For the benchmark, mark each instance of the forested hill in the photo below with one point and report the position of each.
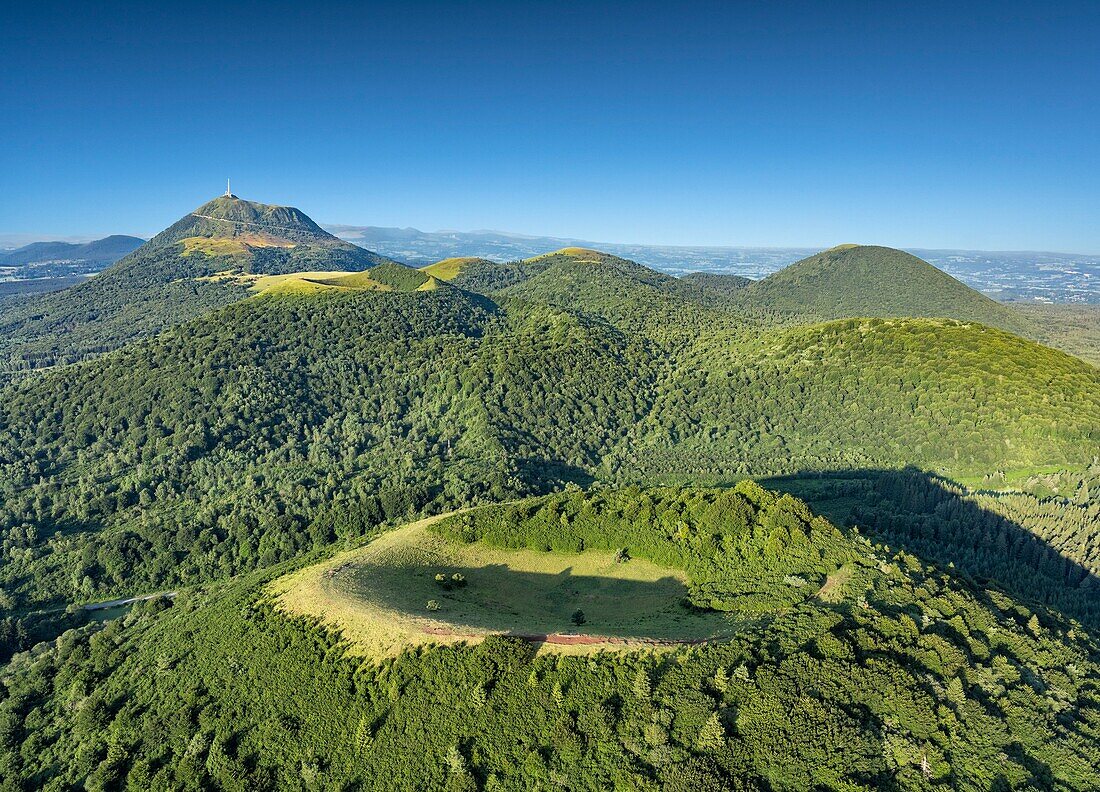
(230, 235)
(851, 667)
(246, 424)
(928, 636)
(182, 272)
(951, 396)
(568, 268)
(867, 280)
(849, 281)
(623, 292)
(620, 291)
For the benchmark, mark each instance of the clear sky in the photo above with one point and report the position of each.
(772, 123)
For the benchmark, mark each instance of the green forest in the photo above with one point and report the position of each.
(884, 482)
(899, 677)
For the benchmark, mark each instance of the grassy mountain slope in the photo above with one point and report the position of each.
(450, 268)
(867, 280)
(180, 273)
(877, 672)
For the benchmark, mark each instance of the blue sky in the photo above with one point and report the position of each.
(908, 124)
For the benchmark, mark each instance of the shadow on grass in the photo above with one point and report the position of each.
(498, 598)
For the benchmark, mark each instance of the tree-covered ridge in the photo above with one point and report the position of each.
(213, 447)
(741, 547)
(861, 393)
(892, 675)
(625, 294)
(177, 275)
(560, 278)
(868, 280)
(400, 277)
(605, 286)
(243, 427)
(712, 288)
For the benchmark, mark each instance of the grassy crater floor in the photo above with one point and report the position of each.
(378, 595)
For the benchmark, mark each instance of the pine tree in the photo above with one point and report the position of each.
(1033, 625)
(364, 735)
(459, 777)
(721, 679)
(478, 696)
(712, 736)
(558, 695)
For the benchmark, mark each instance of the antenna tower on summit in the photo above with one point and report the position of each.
(228, 192)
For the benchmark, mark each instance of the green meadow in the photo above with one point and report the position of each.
(401, 590)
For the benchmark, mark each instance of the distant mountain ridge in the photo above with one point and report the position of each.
(1005, 275)
(102, 251)
(193, 266)
(229, 234)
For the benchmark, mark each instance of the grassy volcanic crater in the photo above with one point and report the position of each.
(413, 586)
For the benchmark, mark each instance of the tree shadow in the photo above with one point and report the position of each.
(937, 520)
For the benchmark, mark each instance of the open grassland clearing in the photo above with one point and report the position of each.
(238, 245)
(300, 282)
(450, 268)
(386, 597)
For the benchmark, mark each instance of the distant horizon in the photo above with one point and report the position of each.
(700, 124)
(15, 239)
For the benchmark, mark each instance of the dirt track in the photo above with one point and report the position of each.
(571, 639)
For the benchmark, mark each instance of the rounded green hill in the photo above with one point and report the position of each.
(869, 280)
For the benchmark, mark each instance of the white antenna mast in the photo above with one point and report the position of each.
(228, 194)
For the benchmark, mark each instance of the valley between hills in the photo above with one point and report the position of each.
(560, 522)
